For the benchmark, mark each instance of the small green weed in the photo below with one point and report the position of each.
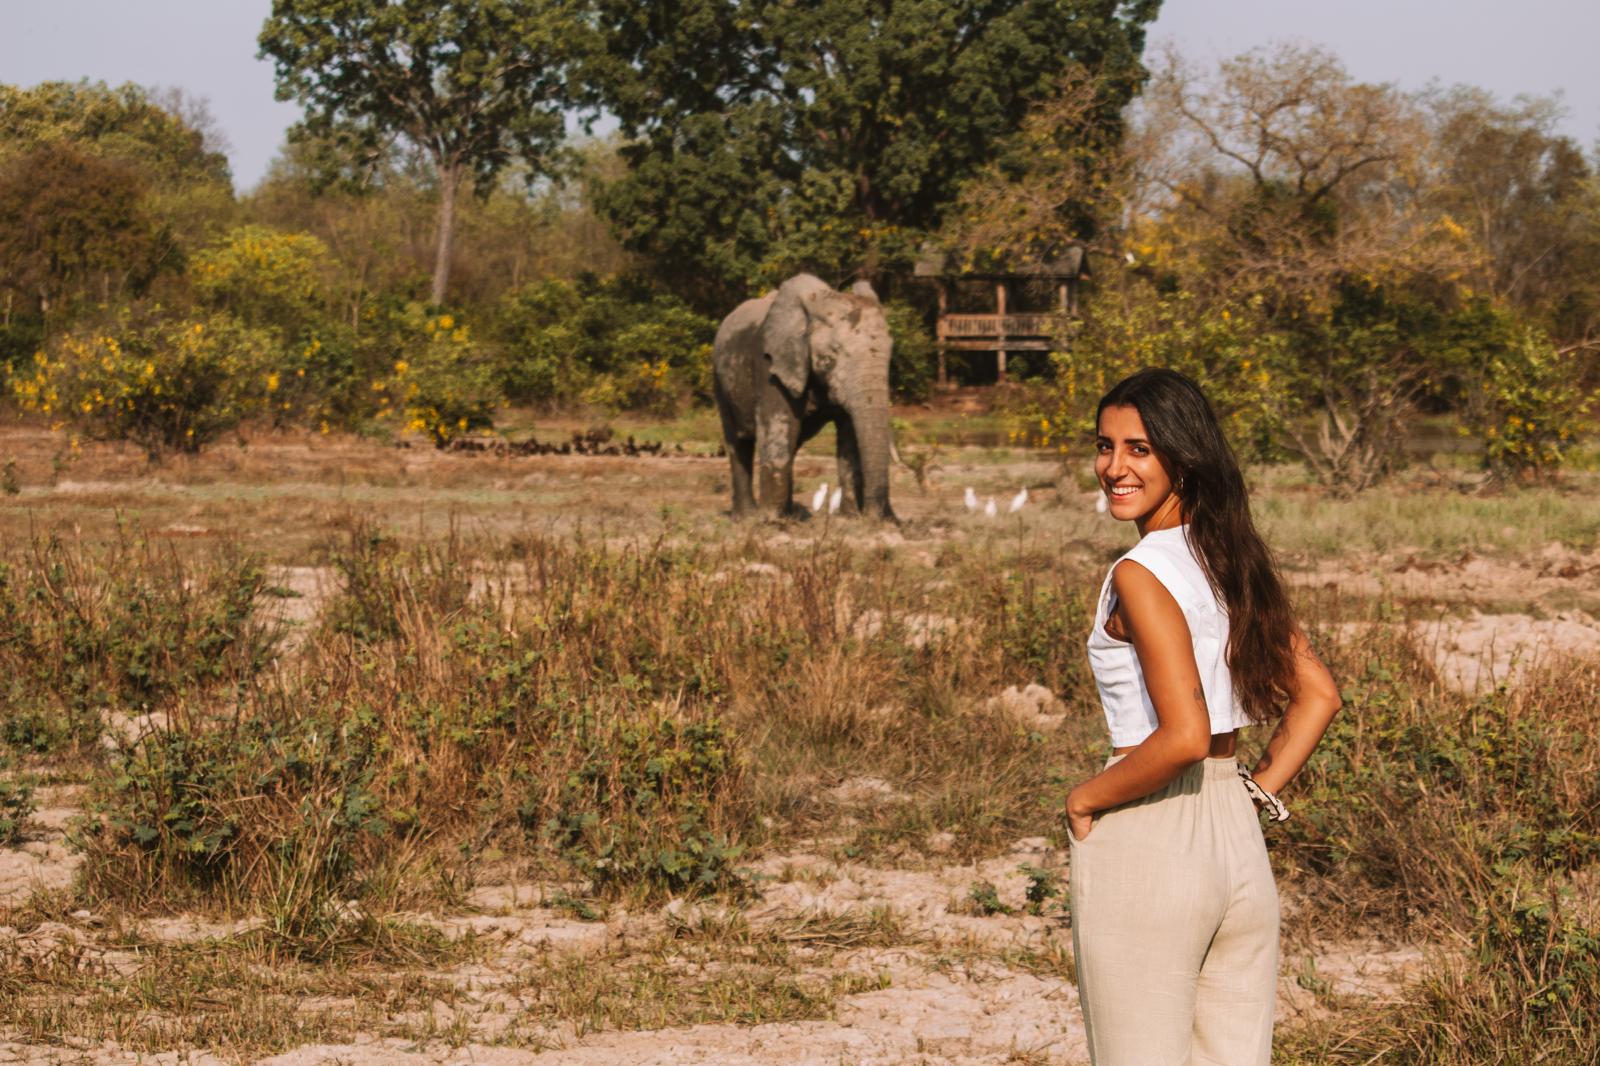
(16, 804)
(983, 899)
(1043, 886)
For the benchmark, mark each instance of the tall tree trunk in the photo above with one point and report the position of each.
(449, 182)
(868, 270)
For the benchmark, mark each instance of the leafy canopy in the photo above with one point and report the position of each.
(770, 134)
(475, 84)
(121, 124)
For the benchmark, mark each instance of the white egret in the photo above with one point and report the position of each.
(989, 509)
(971, 499)
(1019, 501)
(836, 499)
(820, 498)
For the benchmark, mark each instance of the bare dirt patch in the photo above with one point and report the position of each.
(41, 861)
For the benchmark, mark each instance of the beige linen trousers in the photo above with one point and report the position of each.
(1175, 926)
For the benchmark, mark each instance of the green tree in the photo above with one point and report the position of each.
(472, 84)
(766, 134)
(163, 140)
(72, 224)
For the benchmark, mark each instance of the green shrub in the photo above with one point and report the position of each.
(612, 342)
(983, 899)
(266, 278)
(1230, 348)
(640, 804)
(1526, 403)
(131, 627)
(1527, 991)
(16, 804)
(272, 807)
(1461, 785)
(915, 363)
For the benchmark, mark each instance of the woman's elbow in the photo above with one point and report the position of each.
(1328, 699)
(1190, 746)
(1331, 706)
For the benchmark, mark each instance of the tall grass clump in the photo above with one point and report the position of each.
(127, 628)
(1418, 794)
(1472, 822)
(422, 723)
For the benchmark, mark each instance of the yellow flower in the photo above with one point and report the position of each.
(272, 381)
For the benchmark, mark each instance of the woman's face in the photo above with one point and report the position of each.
(1135, 481)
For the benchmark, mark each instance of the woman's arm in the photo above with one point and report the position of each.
(1311, 707)
(1154, 623)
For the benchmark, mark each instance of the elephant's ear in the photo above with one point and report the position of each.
(786, 338)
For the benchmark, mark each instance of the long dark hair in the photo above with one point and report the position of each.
(1185, 435)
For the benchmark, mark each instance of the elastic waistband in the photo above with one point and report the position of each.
(1214, 769)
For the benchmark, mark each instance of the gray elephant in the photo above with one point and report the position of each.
(788, 364)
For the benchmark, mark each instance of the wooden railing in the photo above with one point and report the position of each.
(958, 326)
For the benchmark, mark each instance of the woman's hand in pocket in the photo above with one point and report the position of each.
(1080, 817)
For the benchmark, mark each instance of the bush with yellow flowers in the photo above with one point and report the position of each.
(649, 386)
(265, 277)
(167, 385)
(440, 383)
(1527, 408)
(281, 282)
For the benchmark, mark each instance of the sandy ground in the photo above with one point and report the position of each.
(951, 996)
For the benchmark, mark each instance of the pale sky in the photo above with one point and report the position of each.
(208, 48)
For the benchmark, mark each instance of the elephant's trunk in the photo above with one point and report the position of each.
(869, 417)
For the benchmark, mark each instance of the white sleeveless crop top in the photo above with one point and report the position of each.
(1130, 714)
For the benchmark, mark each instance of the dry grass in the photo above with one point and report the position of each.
(577, 671)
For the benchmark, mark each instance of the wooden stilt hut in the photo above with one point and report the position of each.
(1005, 329)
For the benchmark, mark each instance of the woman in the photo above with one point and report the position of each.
(1175, 915)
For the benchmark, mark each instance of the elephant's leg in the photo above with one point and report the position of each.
(777, 439)
(741, 452)
(848, 458)
(741, 457)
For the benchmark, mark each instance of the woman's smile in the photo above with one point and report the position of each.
(1132, 476)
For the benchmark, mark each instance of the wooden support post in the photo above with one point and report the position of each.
(1061, 297)
(939, 335)
(1000, 341)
